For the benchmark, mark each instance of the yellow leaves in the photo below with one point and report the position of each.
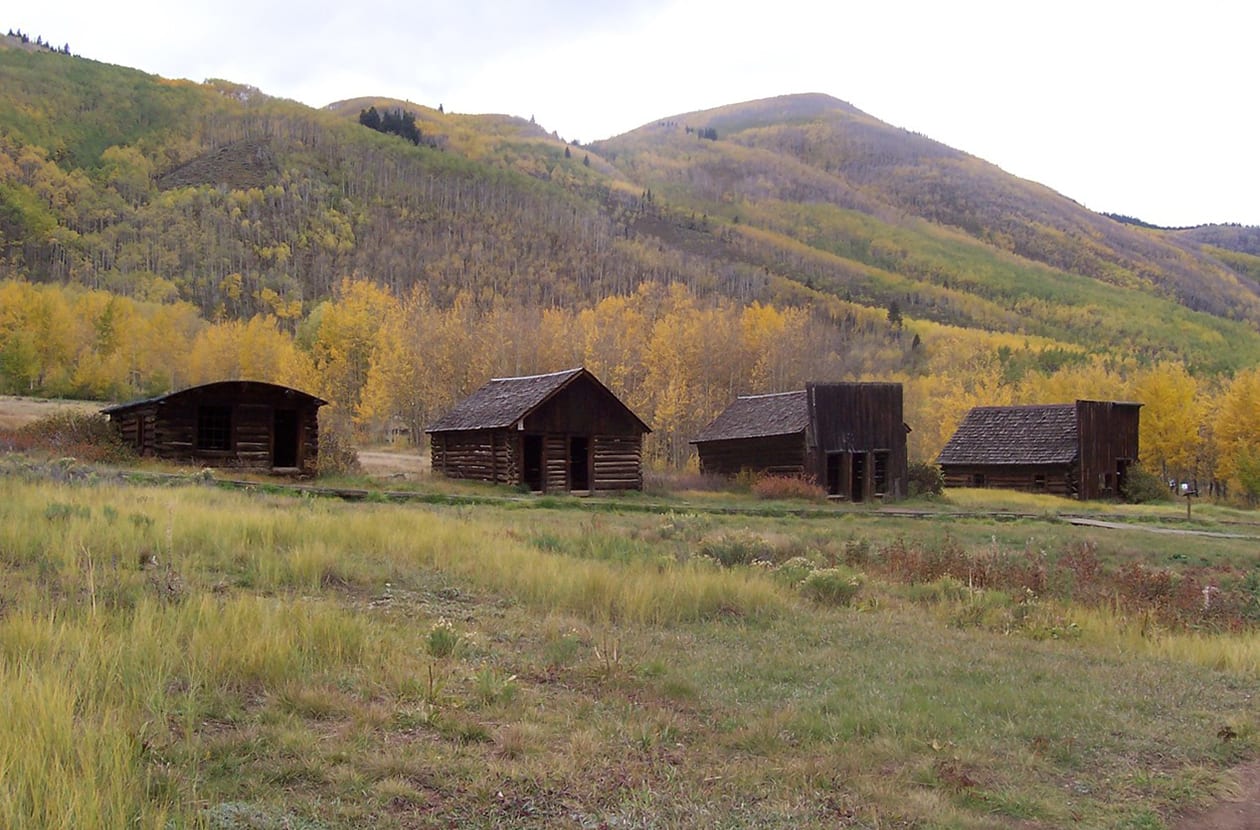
(252, 350)
(1173, 417)
(231, 287)
(341, 351)
(1237, 431)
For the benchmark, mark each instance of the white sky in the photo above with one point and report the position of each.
(1141, 107)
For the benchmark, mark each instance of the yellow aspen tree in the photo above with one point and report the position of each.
(1171, 420)
(1237, 433)
(393, 386)
(344, 340)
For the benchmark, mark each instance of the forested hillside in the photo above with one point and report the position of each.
(160, 232)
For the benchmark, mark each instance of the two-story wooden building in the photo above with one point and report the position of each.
(848, 437)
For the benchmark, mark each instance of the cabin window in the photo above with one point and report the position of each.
(1039, 483)
(214, 428)
(977, 479)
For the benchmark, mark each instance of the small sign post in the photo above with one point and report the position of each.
(1189, 489)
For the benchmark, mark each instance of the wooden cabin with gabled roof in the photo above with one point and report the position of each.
(558, 432)
(1079, 450)
(848, 437)
(232, 423)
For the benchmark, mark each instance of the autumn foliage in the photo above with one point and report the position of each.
(675, 358)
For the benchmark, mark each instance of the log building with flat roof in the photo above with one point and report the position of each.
(848, 437)
(1080, 450)
(553, 433)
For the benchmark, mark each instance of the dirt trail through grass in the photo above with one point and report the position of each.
(1239, 813)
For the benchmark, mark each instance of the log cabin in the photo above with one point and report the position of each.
(1080, 450)
(233, 423)
(552, 433)
(848, 437)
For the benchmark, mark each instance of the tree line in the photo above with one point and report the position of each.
(675, 357)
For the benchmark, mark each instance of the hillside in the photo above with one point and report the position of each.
(242, 204)
(890, 212)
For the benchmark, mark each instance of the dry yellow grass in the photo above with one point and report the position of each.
(18, 411)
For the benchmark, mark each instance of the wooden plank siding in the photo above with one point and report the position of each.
(1108, 436)
(849, 438)
(864, 422)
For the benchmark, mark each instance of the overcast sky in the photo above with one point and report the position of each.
(1143, 108)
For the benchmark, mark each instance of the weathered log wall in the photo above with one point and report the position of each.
(168, 427)
(480, 455)
(617, 462)
(774, 455)
(1059, 480)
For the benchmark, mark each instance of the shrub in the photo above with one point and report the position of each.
(794, 571)
(832, 586)
(925, 479)
(741, 548)
(86, 435)
(1141, 486)
(443, 640)
(337, 455)
(788, 487)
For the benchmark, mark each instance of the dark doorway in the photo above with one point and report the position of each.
(857, 480)
(532, 462)
(579, 463)
(284, 438)
(1122, 476)
(835, 462)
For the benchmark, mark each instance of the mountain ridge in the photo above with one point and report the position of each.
(798, 199)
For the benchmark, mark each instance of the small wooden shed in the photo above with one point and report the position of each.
(849, 437)
(1080, 450)
(559, 432)
(232, 423)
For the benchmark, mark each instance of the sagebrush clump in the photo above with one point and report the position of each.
(88, 436)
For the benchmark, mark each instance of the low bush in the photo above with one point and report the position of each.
(1141, 486)
(88, 436)
(337, 455)
(925, 479)
(740, 548)
(788, 487)
(832, 586)
(794, 571)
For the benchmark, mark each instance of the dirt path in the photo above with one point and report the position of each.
(1241, 812)
(407, 466)
(1082, 522)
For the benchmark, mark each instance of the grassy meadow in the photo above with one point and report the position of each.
(181, 655)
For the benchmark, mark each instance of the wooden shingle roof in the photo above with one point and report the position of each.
(759, 416)
(1042, 434)
(502, 402)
